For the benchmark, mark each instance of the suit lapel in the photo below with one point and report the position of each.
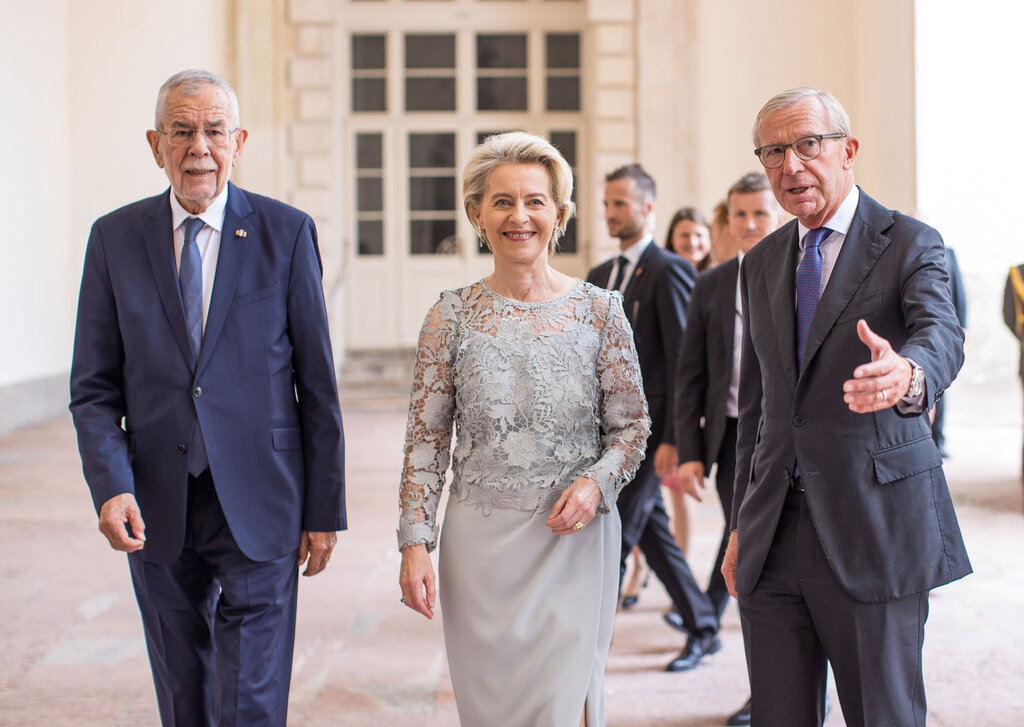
(158, 238)
(779, 272)
(861, 250)
(230, 260)
(635, 283)
(725, 301)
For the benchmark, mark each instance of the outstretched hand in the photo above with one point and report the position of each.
(882, 382)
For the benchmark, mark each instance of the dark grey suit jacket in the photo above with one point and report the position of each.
(874, 483)
(705, 365)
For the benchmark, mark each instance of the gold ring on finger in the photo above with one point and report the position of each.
(579, 525)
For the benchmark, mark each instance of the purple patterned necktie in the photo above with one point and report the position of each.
(808, 287)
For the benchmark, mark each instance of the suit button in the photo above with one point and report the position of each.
(182, 449)
(798, 421)
(197, 392)
(787, 475)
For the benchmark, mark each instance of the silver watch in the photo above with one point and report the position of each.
(916, 381)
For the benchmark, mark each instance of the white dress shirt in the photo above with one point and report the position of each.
(633, 254)
(208, 240)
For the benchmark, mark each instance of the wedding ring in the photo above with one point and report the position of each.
(883, 394)
(579, 525)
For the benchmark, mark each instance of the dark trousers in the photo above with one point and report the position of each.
(645, 523)
(798, 618)
(724, 481)
(220, 628)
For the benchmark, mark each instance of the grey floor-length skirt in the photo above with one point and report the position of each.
(527, 615)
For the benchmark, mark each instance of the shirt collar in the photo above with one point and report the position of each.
(839, 222)
(212, 216)
(636, 250)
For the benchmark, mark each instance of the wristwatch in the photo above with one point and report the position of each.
(916, 381)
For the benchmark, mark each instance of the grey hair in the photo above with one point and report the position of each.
(518, 147)
(838, 119)
(190, 82)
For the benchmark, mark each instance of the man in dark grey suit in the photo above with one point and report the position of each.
(842, 520)
(656, 286)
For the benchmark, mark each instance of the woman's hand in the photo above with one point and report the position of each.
(417, 580)
(578, 504)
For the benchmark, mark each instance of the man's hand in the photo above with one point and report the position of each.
(666, 459)
(729, 562)
(121, 522)
(883, 382)
(691, 478)
(317, 547)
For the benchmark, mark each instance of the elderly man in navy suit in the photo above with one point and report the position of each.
(842, 521)
(656, 287)
(204, 395)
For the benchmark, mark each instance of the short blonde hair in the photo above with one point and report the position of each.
(518, 147)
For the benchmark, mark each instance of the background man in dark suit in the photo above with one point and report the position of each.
(203, 392)
(842, 520)
(708, 374)
(656, 286)
(1013, 314)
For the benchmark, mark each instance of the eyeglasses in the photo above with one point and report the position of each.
(215, 136)
(806, 148)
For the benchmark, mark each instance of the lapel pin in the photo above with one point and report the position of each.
(240, 233)
(638, 272)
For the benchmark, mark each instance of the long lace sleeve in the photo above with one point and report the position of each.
(428, 435)
(624, 418)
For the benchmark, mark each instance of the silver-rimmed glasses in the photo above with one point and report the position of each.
(183, 136)
(806, 148)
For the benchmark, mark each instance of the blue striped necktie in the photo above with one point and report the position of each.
(190, 280)
(808, 287)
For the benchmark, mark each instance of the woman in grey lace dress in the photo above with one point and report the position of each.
(538, 374)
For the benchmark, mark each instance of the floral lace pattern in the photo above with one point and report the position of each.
(540, 394)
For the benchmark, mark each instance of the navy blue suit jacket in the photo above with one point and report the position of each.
(264, 387)
(874, 483)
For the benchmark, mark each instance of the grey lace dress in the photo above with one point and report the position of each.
(539, 394)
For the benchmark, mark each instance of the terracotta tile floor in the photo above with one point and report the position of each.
(71, 648)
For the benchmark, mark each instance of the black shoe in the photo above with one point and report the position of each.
(697, 647)
(673, 619)
(741, 715)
